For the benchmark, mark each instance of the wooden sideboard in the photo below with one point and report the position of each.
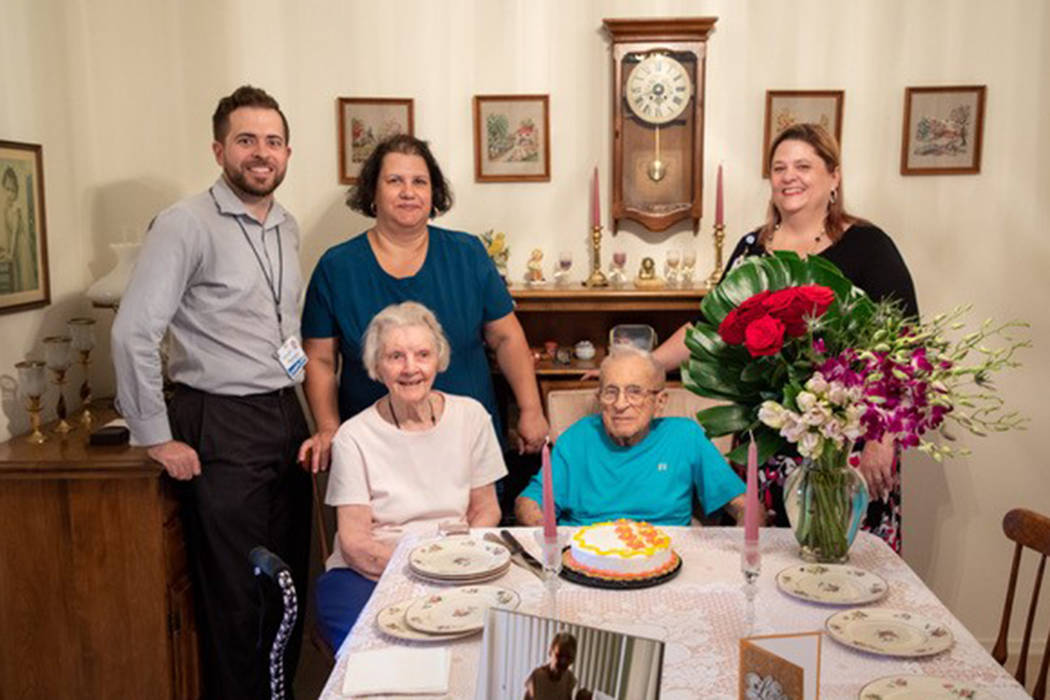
(95, 593)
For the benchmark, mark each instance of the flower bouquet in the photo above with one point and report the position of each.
(809, 364)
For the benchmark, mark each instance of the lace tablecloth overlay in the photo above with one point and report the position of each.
(701, 616)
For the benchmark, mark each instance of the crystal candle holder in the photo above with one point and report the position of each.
(32, 382)
(58, 357)
(82, 333)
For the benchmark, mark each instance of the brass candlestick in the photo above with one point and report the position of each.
(82, 330)
(716, 274)
(31, 382)
(597, 278)
(58, 358)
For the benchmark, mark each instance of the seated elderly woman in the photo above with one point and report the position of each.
(628, 463)
(414, 458)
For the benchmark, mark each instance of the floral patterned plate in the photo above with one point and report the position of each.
(832, 584)
(458, 557)
(391, 621)
(462, 580)
(889, 632)
(459, 609)
(921, 688)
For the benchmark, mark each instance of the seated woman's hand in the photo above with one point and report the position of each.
(876, 466)
(316, 451)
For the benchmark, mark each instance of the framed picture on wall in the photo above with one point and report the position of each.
(943, 128)
(364, 122)
(512, 138)
(24, 279)
(787, 107)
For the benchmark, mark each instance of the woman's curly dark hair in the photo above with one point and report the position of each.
(362, 197)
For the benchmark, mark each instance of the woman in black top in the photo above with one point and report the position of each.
(807, 216)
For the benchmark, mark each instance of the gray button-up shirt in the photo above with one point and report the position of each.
(197, 276)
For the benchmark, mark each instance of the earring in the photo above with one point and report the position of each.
(373, 208)
(834, 196)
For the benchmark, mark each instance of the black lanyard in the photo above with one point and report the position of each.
(275, 292)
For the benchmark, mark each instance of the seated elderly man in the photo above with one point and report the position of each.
(627, 463)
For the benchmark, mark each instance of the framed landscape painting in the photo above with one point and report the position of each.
(363, 123)
(24, 282)
(787, 107)
(512, 138)
(943, 129)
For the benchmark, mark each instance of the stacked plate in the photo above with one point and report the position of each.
(458, 612)
(458, 559)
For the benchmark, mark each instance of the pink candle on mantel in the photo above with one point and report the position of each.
(596, 210)
(550, 527)
(751, 506)
(719, 204)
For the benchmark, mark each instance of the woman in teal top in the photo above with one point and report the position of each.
(402, 258)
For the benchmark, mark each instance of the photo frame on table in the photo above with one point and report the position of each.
(943, 130)
(512, 138)
(24, 279)
(363, 123)
(787, 107)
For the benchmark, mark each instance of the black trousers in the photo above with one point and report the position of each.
(250, 492)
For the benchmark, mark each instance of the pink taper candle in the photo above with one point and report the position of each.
(719, 204)
(751, 506)
(550, 528)
(596, 209)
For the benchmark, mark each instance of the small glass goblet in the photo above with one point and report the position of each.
(561, 273)
(58, 356)
(31, 383)
(82, 331)
(673, 257)
(688, 267)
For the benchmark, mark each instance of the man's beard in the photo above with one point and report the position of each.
(240, 180)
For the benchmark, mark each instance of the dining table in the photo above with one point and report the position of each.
(700, 614)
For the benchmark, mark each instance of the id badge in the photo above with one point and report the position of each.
(292, 358)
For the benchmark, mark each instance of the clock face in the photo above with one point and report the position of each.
(658, 89)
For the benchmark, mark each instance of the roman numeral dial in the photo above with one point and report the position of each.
(658, 89)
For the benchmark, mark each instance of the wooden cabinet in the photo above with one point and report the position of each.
(95, 593)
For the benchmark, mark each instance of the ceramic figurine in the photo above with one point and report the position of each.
(585, 350)
(534, 272)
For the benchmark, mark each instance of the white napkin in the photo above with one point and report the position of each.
(397, 670)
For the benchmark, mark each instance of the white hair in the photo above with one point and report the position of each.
(621, 351)
(408, 313)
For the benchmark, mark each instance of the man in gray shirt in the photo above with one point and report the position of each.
(220, 272)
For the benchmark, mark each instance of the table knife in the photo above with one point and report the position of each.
(516, 548)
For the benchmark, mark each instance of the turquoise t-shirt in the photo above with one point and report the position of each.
(457, 281)
(597, 480)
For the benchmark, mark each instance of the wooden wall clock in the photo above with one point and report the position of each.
(658, 119)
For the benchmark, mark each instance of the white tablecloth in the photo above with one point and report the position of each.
(702, 614)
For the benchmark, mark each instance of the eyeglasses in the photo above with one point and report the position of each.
(635, 395)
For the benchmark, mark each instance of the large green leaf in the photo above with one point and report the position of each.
(769, 443)
(724, 420)
(707, 380)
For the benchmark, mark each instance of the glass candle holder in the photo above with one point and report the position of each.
(32, 381)
(58, 356)
(82, 332)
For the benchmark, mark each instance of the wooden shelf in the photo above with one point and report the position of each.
(628, 299)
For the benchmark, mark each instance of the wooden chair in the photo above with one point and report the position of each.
(324, 546)
(1032, 530)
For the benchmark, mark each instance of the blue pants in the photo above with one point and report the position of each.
(341, 595)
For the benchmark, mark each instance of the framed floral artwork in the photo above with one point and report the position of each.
(24, 279)
(787, 107)
(943, 129)
(363, 123)
(512, 138)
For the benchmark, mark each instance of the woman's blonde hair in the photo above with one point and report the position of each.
(836, 220)
(408, 313)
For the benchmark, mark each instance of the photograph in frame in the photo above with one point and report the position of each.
(943, 130)
(512, 138)
(24, 278)
(787, 107)
(363, 123)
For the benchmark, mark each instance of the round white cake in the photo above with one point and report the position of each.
(622, 549)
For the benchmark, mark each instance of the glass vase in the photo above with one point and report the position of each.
(826, 501)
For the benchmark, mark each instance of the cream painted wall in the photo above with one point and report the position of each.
(120, 93)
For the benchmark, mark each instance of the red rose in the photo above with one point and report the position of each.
(764, 336)
(736, 321)
(730, 329)
(815, 299)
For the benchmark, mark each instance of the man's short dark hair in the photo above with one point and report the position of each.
(244, 96)
(362, 198)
